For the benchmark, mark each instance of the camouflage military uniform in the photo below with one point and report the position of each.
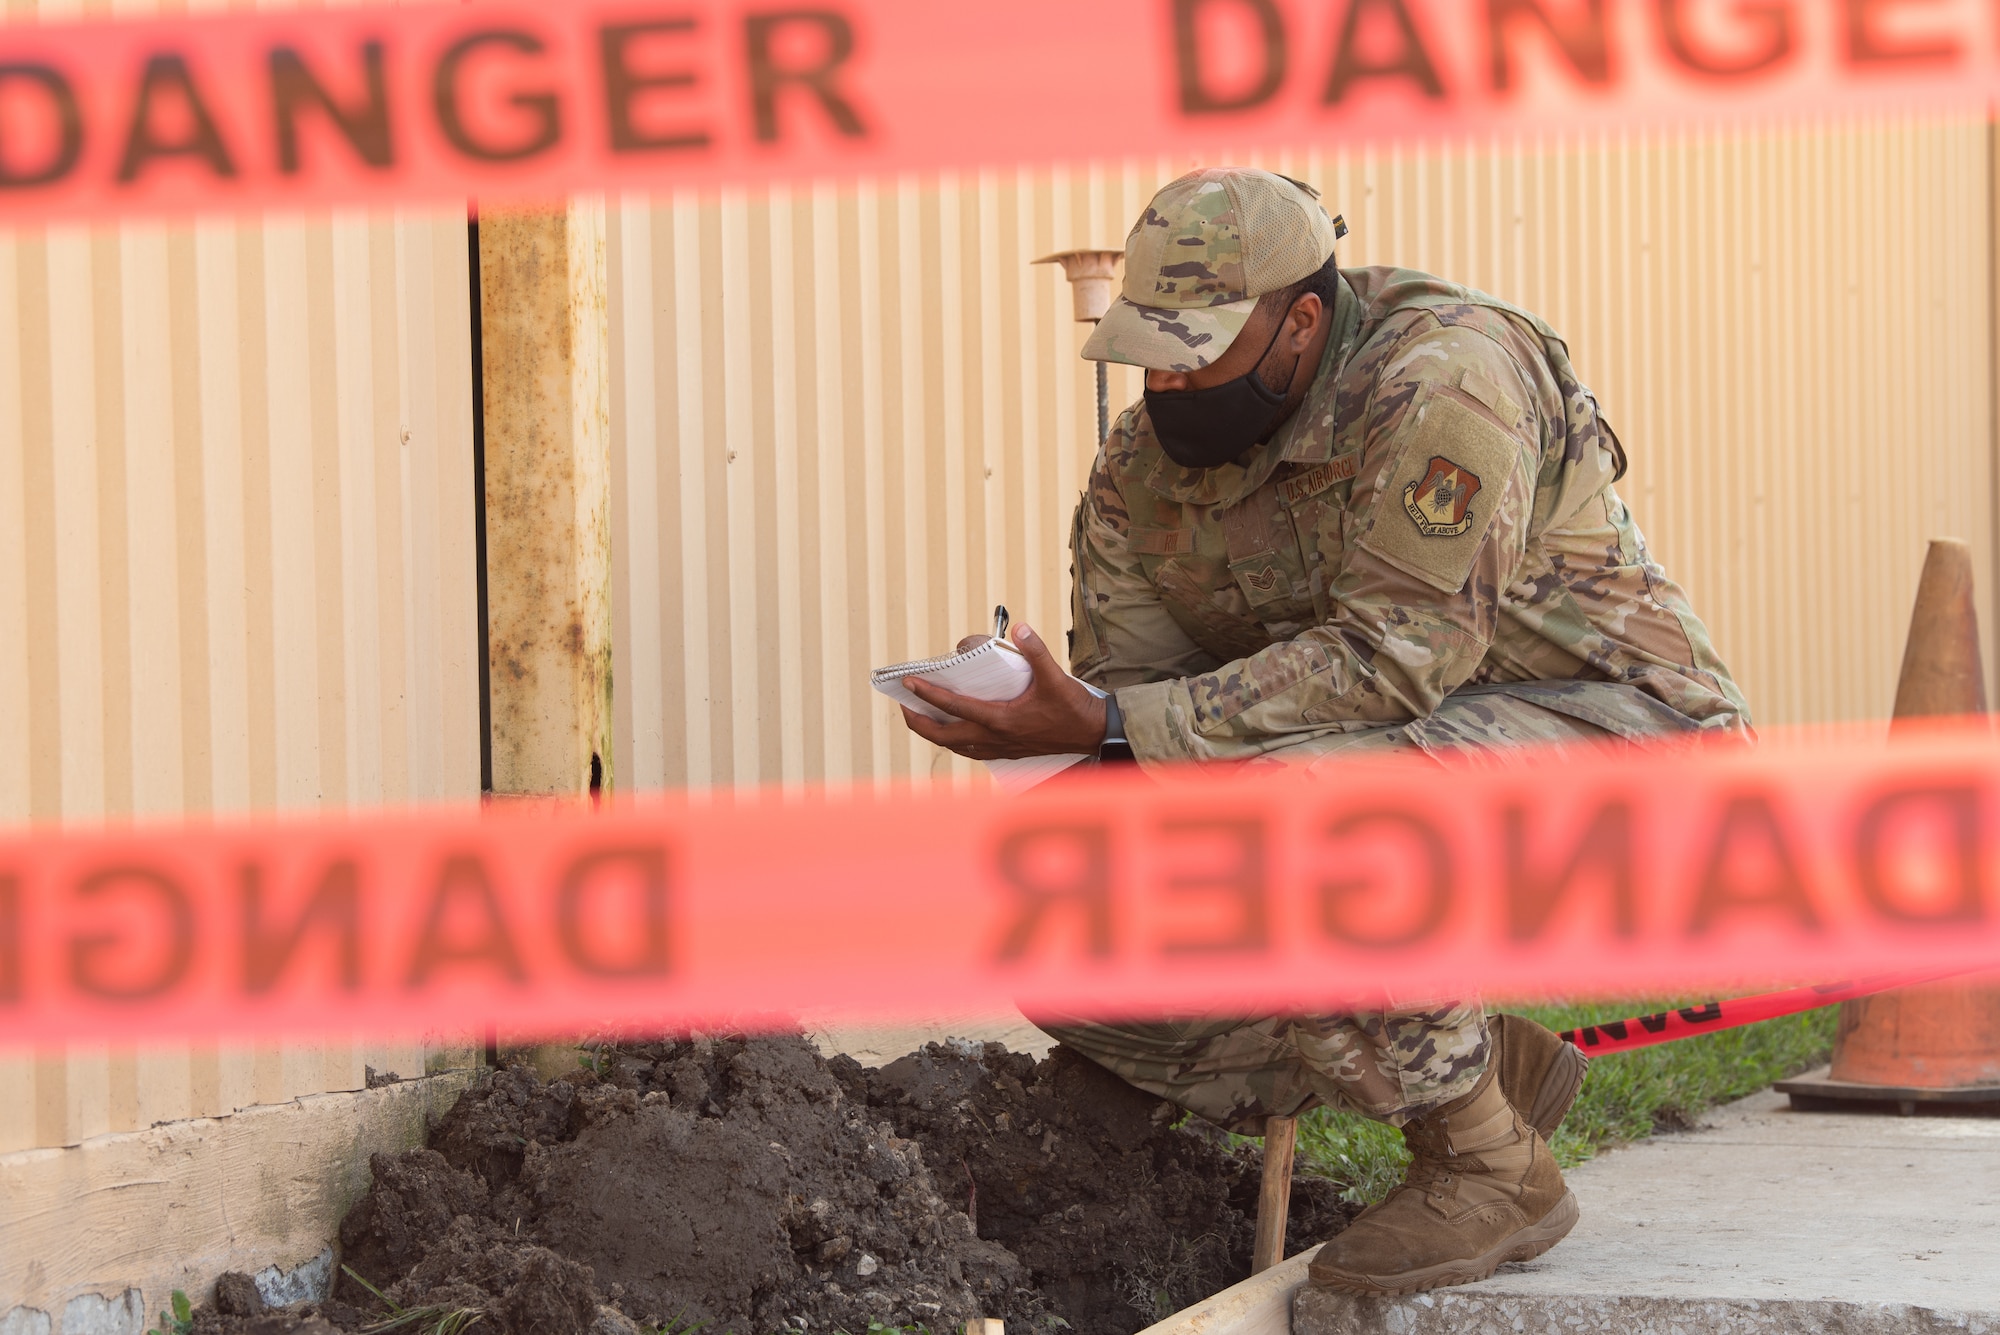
(1429, 554)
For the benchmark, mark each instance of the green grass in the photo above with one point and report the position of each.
(435, 1319)
(1626, 1096)
(178, 1321)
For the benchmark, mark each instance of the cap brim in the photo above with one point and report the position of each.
(1160, 338)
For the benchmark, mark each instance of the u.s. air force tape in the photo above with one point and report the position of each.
(1114, 894)
(376, 104)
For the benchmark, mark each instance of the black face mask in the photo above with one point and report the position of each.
(1207, 428)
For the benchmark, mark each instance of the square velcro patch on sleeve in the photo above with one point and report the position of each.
(1449, 476)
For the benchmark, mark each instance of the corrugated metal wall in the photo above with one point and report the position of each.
(235, 469)
(847, 422)
(237, 571)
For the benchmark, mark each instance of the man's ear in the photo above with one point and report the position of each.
(1305, 316)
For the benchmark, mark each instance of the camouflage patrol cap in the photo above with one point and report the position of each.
(1201, 254)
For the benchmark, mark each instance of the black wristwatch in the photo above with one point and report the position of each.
(1114, 749)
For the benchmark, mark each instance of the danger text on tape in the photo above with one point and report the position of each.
(1113, 895)
(373, 104)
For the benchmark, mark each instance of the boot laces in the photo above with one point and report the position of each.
(1432, 1163)
(1431, 1158)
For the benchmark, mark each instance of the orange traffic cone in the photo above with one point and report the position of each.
(1939, 1043)
(1942, 676)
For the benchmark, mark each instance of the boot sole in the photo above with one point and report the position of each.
(1524, 1245)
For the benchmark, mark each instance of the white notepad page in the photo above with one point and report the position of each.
(994, 670)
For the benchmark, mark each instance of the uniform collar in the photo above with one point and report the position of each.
(1305, 438)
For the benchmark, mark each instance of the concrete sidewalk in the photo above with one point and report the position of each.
(1763, 1220)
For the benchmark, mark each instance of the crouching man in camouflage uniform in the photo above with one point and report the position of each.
(1358, 511)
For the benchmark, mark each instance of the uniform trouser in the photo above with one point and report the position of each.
(1391, 1064)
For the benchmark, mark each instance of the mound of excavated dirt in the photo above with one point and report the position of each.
(1121, 1217)
(750, 1185)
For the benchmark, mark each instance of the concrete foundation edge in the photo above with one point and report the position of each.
(94, 1238)
(1279, 1302)
(1447, 1312)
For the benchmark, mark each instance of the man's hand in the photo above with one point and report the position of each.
(1056, 715)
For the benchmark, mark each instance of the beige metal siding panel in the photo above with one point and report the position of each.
(293, 671)
(871, 362)
(21, 598)
(780, 410)
(239, 455)
(17, 1070)
(79, 582)
(364, 582)
(828, 448)
(251, 363)
(638, 697)
(217, 400)
(693, 632)
(728, 695)
(15, 689)
(429, 513)
(190, 525)
(147, 628)
(1801, 417)
(37, 464)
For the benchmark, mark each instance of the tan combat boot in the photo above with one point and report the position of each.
(1482, 1189)
(1539, 1073)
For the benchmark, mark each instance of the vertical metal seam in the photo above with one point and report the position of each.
(1992, 359)
(479, 510)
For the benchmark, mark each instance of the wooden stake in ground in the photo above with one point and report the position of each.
(1274, 1195)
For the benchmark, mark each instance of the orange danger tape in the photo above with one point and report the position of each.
(1108, 895)
(374, 105)
(1645, 1031)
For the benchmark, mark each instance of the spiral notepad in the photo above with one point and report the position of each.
(993, 670)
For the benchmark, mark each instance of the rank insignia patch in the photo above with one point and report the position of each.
(1441, 503)
(1261, 581)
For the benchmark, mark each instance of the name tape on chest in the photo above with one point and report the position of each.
(1160, 541)
(1316, 480)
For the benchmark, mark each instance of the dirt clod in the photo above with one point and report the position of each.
(747, 1185)
(236, 1295)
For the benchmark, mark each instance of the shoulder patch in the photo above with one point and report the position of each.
(1161, 541)
(1442, 493)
